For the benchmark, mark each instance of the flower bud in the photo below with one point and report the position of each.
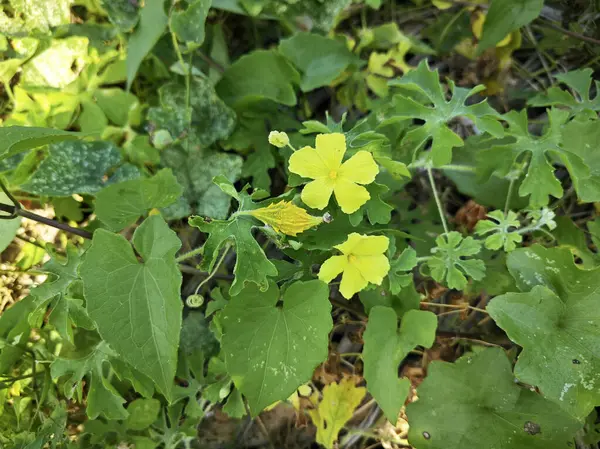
(279, 139)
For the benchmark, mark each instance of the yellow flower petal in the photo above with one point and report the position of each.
(307, 163)
(286, 217)
(364, 245)
(372, 268)
(352, 281)
(332, 267)
(316, 194)
(360, 168)
(331, 148)
(350, 196)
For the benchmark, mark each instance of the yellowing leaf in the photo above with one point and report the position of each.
(286, 217)
(335, 410)
(477, 27)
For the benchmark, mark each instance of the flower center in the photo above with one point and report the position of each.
(351, 258)
(333, 174)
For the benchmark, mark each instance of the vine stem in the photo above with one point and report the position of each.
(437, 199)
(454, 306)
(47, 221)
(215, 269)
(508, 196)
(189, 254)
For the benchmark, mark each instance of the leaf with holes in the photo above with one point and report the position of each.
(475, 403)
(136, 305)
(556, 321)
(271, 350)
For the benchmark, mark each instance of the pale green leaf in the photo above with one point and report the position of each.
(152, 24)
(33, 16)
(8, 228)
(385, 348)
(137, 305)
(556, 322)
(501, 230)
(188, 24)
(506, 16)
(475, 403)
(320, 59)
(121, 204)
(271, 350)
(79, 167)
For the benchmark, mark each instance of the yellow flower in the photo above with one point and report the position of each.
(324, 165)
(362, 261)
(286, 217)
(279, 139)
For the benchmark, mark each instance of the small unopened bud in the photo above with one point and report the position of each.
(279, 139)
(327, 218)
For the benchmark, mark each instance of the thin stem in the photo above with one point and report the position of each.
(47, 221)
(454, 306)
(189, 254)
(508, 196)
(437, 199)
(423, 259)
(211, 62)
(215, 269)
(581, 37)
(451, 167)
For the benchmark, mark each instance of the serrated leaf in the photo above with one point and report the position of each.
(16, 139)
(152, 24)
(335, 409)
(211, 118)
(270, 350)
(540, 181)
(581, 136)
(188, 24)
(400, 275)
(578, 80)
(260, 75)
(385, 348)
(137, 305)
(79, 167)
(437, 112)
(102, 398)
(450, 262)
(320, 59)
(121, 204)
(475, 403)
(506, 16)
(556, 322)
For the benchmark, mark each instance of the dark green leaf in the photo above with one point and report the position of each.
(142, 413)
(15, 139)
(188, 24)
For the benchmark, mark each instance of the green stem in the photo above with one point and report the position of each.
(215, 269)
(189, 254)
(508, 196)
(423, 259)
(452, 167)
(437, 200)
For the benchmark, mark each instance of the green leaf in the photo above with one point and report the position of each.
(581, 136)
(211, 119)
(15, 331)
(569, 235)
(79, 167)
(38, 16)
(117, 104)
(437, 112)
(579, 81)
(16, 139)
(271, 350)
(320, 59)
(195, 172)
(152, 24)
(335, 410)
(449, 263)
(400, 275)
(120, 205)
(260, 75)
(540, 181)
(475, 403)
(385, 348)
(123, 13)
(136, 305)
(506, 16)
(8, 228)
(188, 24)
(142, 413)
(56, 66)
(556, 322)
(377, 210)
(102, 398)
(502, 230)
